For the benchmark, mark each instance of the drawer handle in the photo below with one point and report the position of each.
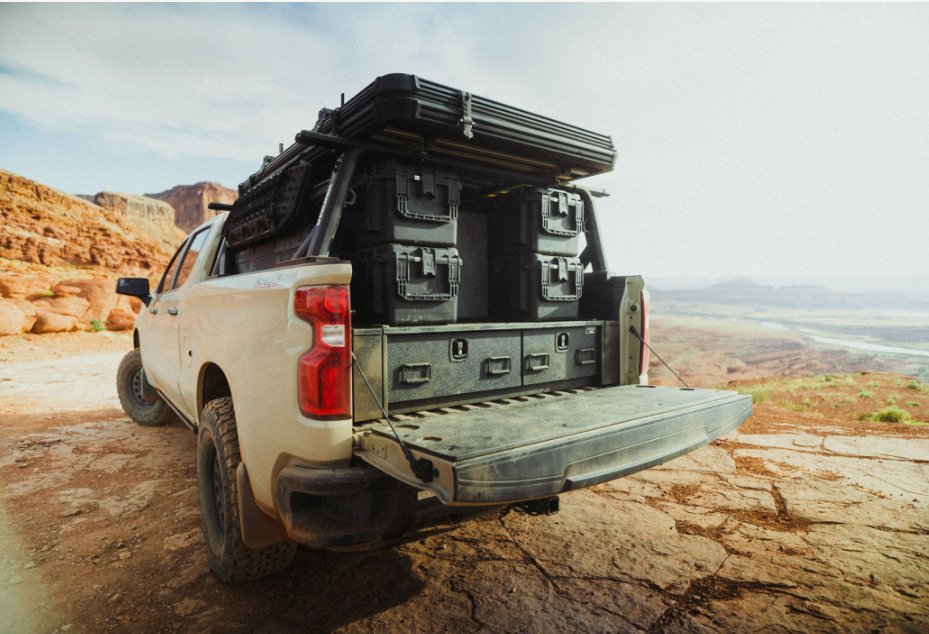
(537, 362)
(586, 356)
(172, 311)
(415, 373)
(504, 365)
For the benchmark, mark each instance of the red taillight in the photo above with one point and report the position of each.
(646, 303)
(325, 371)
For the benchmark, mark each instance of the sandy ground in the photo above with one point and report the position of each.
(793, 523)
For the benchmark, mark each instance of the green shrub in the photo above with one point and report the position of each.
(912, 404)
(791, 406)
(875, 384)
(758, 393)
(828, 377)
(46, 293)
(913, 384)
(890, 415)
(97, 325)
(849, 380)
(807, 402)
(891, 400)
(863, 394)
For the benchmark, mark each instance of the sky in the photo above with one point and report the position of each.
(756, 140)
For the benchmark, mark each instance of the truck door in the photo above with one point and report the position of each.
(162, 356)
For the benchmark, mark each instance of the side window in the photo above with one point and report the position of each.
(166, 278)
(190, 258)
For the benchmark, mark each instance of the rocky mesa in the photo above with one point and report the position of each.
(190, 202)
(43, 226)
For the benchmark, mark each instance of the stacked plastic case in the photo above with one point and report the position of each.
(536, 274)
(404, 227)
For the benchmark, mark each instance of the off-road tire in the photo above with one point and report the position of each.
(217, 460)
(129, 388)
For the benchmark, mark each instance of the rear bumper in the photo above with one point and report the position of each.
(538, 449)
(326, 508)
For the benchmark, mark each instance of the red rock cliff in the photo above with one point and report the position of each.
(190, 202)
(45, 226)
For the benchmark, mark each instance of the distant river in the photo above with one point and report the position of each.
(873, 347)
(857, 345)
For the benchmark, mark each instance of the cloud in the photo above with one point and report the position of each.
(802, 124)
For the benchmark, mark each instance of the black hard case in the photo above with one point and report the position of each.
(397, 284)
(409, 109)
(536, 287)
(536, 220)
(405, 204)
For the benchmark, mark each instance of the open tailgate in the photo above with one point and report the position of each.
(547, 444)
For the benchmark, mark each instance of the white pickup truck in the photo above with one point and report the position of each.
(318, 430)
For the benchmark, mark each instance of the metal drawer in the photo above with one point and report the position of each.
(557, 354)
(430, 365)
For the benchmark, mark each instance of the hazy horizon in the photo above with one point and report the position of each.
(755, 140)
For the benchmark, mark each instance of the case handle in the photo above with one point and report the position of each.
(505, 365)
(586, 356)
(537, 362)
(415, 373)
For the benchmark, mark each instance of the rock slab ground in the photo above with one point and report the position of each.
(801, 529)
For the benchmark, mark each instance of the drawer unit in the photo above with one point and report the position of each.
(431, 365)
(557, 354)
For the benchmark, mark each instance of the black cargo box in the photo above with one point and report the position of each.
(536, 287)
(402, 284)
(537, 220)
(406, 110)
(405, 204)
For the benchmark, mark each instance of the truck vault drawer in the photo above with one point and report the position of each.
(553, 444)
(558, 354)
(438, 364)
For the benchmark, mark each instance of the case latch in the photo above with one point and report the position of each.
(428, 258)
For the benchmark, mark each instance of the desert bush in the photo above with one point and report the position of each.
(791, 406)
(891, 400)
(912, 404)
(863, 394)
(875, 384)
(890, 415)
(849, 380)
(759, 393)
(97, 325)
(913, 384)
(46, 293)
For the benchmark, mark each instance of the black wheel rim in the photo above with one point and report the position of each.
(217, 502)
(136, 391)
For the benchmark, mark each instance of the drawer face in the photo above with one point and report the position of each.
(432, 365)
(557, 354)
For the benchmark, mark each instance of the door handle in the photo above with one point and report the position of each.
(172, 311)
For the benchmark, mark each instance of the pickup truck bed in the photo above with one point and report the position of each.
(547, 444)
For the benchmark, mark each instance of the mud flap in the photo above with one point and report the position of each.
(258, 530)
(551, 444)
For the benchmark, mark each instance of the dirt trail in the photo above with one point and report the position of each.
(794, 523)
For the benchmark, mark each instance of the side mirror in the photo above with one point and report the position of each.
(134, 287)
